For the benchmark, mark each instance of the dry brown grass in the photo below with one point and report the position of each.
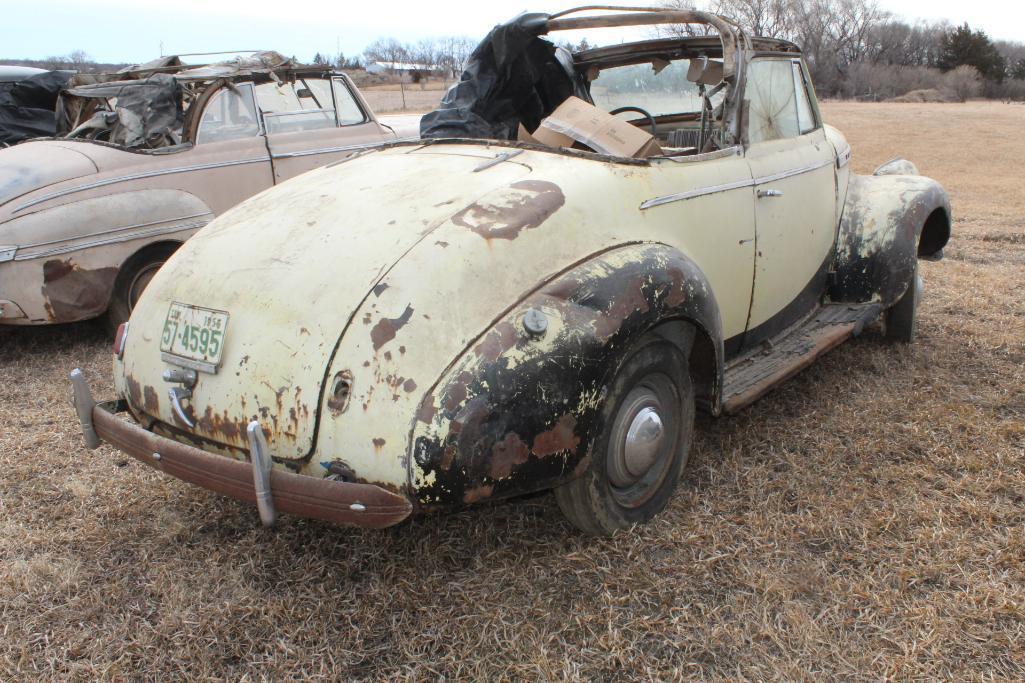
(865, 521)
(409, 97)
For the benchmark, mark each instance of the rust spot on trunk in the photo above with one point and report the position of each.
(150, 401)
(528, 206)
(559, 439)
(506, 454)
(134, 391)
(385, 329)
(409, 386)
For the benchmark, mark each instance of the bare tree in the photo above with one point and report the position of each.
(386, 50)
(964, 82)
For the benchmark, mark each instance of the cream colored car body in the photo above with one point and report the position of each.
(382, 311)
(80, 219)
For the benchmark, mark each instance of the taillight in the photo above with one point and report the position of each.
(119, 340)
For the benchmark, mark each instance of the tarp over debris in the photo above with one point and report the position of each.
(514, 76)
(27, 106)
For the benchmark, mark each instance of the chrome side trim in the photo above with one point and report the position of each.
(113, 240)
(330, 150)
(138, 176)
(122, 229)
(700, 192)
(792, 172)
(738, 185)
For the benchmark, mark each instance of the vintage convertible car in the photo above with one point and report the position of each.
(456, 320)
(147, 156)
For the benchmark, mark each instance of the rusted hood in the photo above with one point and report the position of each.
(292, 267)
(34, 165)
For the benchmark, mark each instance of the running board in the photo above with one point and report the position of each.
(753, 375)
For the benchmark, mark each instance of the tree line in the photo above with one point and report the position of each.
(856, 49)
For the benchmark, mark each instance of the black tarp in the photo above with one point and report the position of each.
(514, 76)
(27, 106)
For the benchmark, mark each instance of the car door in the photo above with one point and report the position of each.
(311, 122)
(229, 162)
(793, 166)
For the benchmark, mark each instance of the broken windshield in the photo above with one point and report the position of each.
(658, 87)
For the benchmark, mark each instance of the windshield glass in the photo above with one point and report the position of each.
(665, 91)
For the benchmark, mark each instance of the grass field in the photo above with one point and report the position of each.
(866, 521)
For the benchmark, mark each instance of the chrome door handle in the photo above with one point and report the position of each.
(769, 193)
(177, 395)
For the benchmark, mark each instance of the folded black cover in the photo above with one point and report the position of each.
(514, 76)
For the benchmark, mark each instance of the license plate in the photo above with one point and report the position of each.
(195, 333)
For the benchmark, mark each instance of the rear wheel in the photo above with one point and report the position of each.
(902, 318)
(135, 274)
(642, 448)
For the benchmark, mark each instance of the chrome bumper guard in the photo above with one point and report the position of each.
(272, 490)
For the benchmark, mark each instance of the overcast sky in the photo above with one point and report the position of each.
(136, 30)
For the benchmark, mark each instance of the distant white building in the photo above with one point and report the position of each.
(397, 68)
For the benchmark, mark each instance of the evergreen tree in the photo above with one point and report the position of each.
(963, 46)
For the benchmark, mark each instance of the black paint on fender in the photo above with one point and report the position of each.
(518, 413)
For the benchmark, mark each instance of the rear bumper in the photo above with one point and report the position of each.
(364, 505)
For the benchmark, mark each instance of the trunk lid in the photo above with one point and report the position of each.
(264, 264)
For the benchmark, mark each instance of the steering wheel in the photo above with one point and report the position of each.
(651, 119)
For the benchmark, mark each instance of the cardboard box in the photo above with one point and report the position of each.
(576, 121)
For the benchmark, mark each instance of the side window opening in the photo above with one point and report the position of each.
(805, 114)
(229, 115)
(303, 105)
(770, 101)
(349, 112)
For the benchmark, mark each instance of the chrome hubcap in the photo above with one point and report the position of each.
(642, 443)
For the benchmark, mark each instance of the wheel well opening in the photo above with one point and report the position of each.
(698, 348)
(935, 233)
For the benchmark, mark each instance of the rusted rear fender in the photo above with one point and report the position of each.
(889, 220)
(517, 412)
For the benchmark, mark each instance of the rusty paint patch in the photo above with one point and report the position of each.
(409, 386)
(456, 393)
(496, 342)
(506, 454)
(479, 493)
(427, 410)
(530, 205)
(386, 328)
(72, 293)
(150, 401)
(379, 288)
(134, 391)
(561, 438)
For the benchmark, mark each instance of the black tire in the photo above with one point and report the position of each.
(902, 317)
(622, 487)
(135, 274)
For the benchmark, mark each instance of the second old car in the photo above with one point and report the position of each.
(539, 295)
(147, 156)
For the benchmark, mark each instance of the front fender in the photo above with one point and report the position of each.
(889, 220)
(517, 411)
(62, 261)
